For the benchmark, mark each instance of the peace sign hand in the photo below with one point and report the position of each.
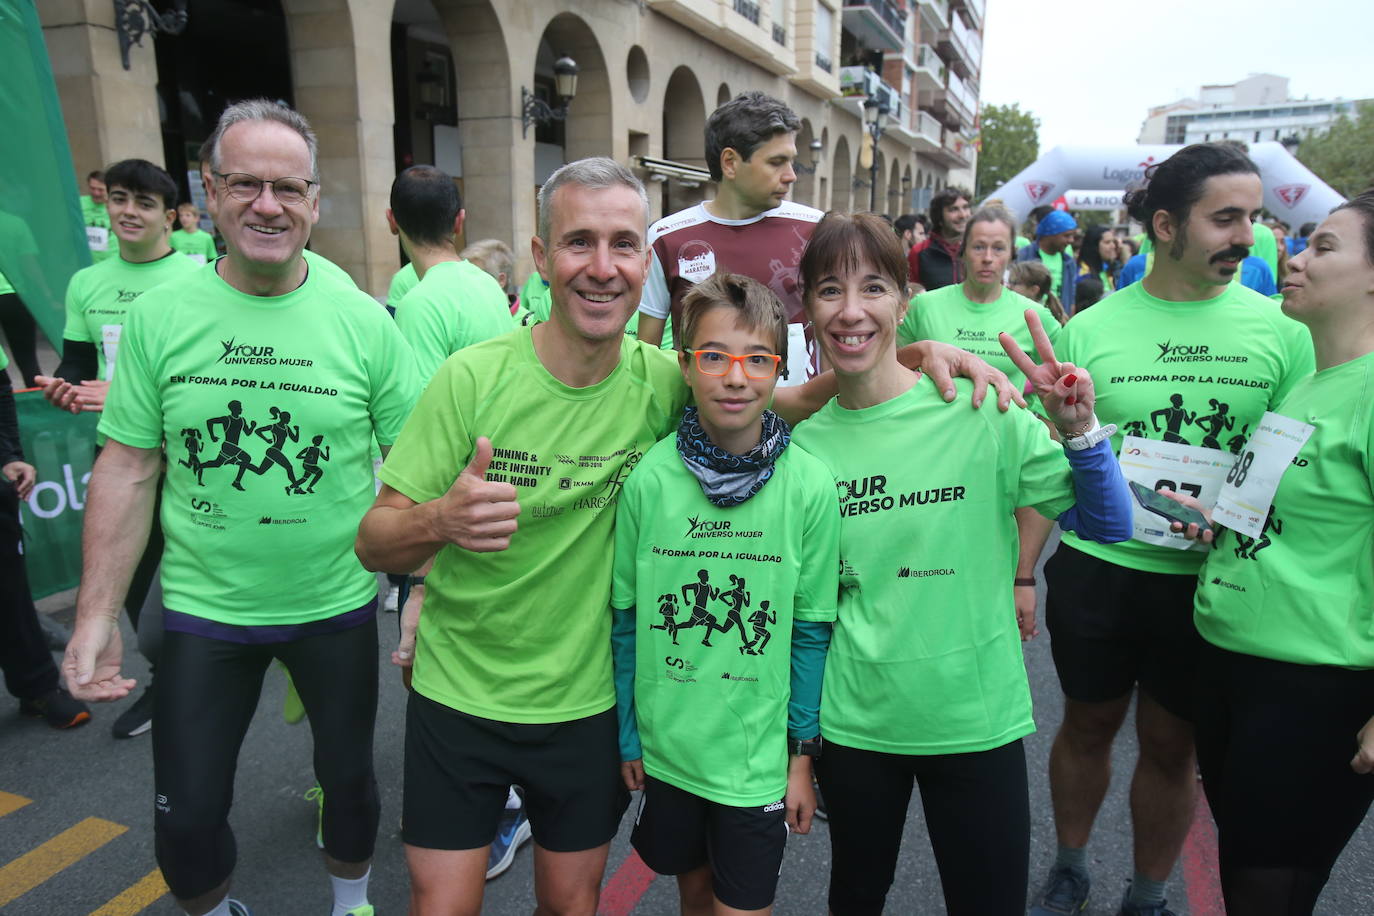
(1064, 389)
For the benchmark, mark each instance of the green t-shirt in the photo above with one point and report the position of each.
(319, 264)
(713, 654)
(456, 305)
(523, 635)
(1265, 247)
(535, 297)
(1195, 373)
(269, 407)
(402, 282)
(199, 246)
(99, 236)
(1055, 264)
(1303, 591)
(20, 248)
(947, 315)
(6, 287)
(99, 298)
(926, 656)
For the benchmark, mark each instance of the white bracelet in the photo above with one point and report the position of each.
(1095, 434)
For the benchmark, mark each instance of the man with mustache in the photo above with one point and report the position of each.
(1121, 615)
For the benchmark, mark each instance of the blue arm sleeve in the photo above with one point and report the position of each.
(1132, 272)
(623, 666)
(810, 642)
(1102, 510)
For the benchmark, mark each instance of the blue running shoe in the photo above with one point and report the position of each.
(1066, 891)
(513, 832)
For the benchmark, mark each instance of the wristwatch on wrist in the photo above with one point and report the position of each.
(811, 747)
(1094, 434)
(416, 580)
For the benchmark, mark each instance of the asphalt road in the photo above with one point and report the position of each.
(78, 866)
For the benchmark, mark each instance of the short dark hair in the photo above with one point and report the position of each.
(842, 241)
(98, 175)
(1307, 229)
(425, 202)
(1087, 292)
(904, 222)
(755, 306)
(139, 176)
(745, 123)
(945, 197)
(1363, 205)
(1175, 184)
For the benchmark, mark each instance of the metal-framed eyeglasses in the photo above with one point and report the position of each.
(247, 188)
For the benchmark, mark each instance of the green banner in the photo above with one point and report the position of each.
(61, 446)
(42, 233)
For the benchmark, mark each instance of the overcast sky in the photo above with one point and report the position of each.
(1089, 70)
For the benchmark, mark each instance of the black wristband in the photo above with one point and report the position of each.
(1024, 580)
(811, 747)
(416, 580)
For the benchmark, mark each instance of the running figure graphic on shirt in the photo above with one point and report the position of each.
(757, 620)
(1249, 546)
(1236, 444)
(234, 427)
(1174, 419)
(310, 458)
(736, 600)
(1136, 428)
(697, 594)
(191, 439)
(667, 606)
(1214, 423)
(276, 435)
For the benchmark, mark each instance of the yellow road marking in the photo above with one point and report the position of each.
(137, 898)
(10, 803)
(41, 863)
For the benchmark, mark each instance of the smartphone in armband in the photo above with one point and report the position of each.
(1165, 507)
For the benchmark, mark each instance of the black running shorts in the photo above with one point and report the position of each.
(677, 832)
(458, 768)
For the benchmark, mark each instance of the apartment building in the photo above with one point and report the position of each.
(479, 87)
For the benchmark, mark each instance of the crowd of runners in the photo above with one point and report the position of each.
(740, 511)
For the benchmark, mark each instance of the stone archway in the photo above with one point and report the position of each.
(842, 176)
(587, 129)
(894, 207)
(684, 125)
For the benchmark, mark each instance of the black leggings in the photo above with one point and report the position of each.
(977, 809)
(207, 693)
(22, 333)
(1274, 740)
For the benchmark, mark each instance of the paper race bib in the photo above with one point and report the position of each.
(798, 360)
(98, 238)
(1253, 479)
(198, 258)
(1198, 472)
(109, 344)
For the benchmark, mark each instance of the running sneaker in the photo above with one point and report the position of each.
(513, 832)
(366, 909)
(1134, 909)
(316, 795)
(1066, 891)
(59, 708)
(236, 908)
(137, 719)
(392, 604)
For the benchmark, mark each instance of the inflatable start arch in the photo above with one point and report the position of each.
(1291, 191)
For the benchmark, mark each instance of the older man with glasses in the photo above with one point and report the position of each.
(298, 372)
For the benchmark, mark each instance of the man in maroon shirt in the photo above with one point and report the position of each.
(750, 227)
(935, 262)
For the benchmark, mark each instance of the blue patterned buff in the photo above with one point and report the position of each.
(726, 479)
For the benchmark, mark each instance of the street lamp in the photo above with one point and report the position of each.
(810, 169)
(875, 120)
(534, 110)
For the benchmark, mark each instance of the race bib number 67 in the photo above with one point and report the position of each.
(1189, 469)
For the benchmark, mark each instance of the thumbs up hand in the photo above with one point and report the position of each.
(475, 513)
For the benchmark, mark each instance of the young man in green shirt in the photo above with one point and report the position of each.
(1189, 362)
(455, 303)
(553, 418)
(259, 355)
(722, 781)
(140, 202)
(102, 242)
(190, 239)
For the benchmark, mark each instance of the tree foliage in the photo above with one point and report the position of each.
(1343, 157)
(1010, 142)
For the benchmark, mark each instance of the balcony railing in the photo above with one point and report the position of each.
(780, 34)
(937, 11)
(926, 126)
(927, 59)
(823, 62)
(748, 10)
